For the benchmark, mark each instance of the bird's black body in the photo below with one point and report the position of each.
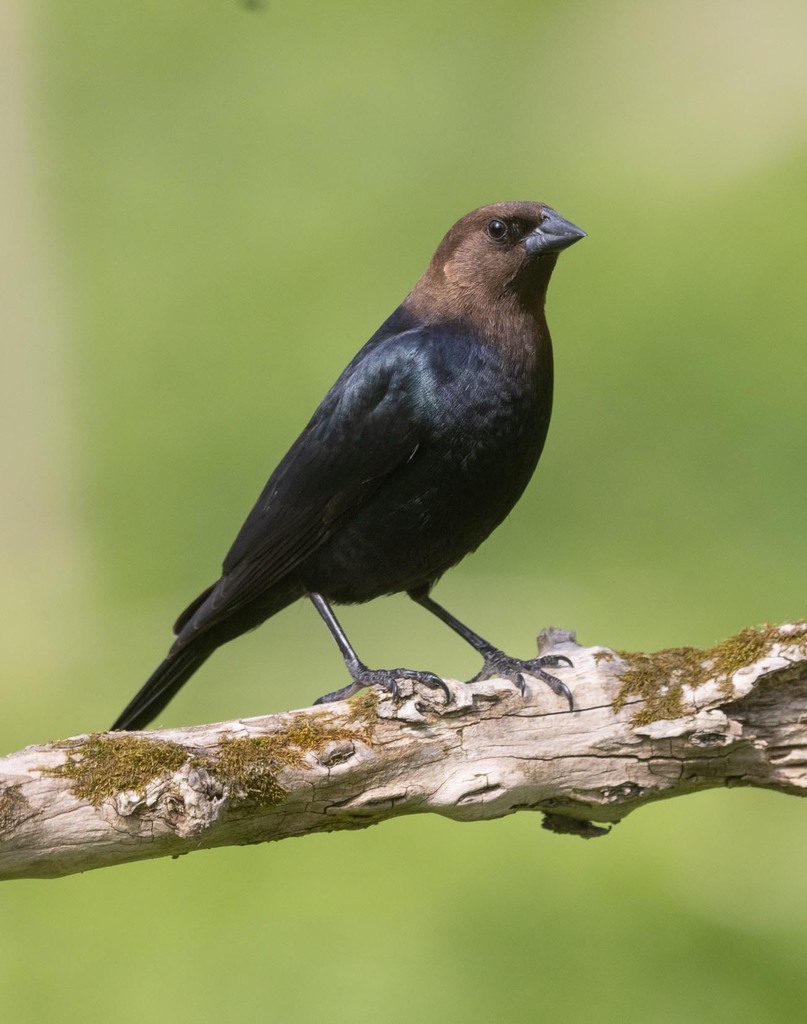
(418, 451)
(455, 448)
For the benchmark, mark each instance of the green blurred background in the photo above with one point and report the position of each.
(208, 208)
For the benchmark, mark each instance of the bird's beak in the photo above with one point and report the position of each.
(552, 234)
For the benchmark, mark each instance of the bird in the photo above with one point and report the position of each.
(417, 453)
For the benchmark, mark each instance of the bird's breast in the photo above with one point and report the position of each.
(483, 433)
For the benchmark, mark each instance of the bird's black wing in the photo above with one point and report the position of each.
(369, 425)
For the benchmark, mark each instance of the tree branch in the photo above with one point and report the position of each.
(645, 727)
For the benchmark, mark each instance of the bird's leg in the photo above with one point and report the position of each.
(360, 674)
(497, 663)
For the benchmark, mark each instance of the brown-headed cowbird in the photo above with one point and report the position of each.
(418, 451)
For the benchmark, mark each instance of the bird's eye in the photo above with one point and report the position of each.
(497, 229)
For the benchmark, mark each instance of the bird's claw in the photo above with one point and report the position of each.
(497, 663)
(387, 678)
(343, 694)
(430, 679)
(554, 660)
(556, 685)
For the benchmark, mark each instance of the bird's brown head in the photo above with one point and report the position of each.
(502, 254)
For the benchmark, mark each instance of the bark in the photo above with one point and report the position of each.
(645, 727)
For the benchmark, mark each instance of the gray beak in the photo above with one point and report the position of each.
(552, 235)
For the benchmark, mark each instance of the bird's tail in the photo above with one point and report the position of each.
(163, 683)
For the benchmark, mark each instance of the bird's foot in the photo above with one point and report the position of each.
(497, 663)
(387, 678)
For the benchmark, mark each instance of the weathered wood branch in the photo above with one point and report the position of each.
(645, 727)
